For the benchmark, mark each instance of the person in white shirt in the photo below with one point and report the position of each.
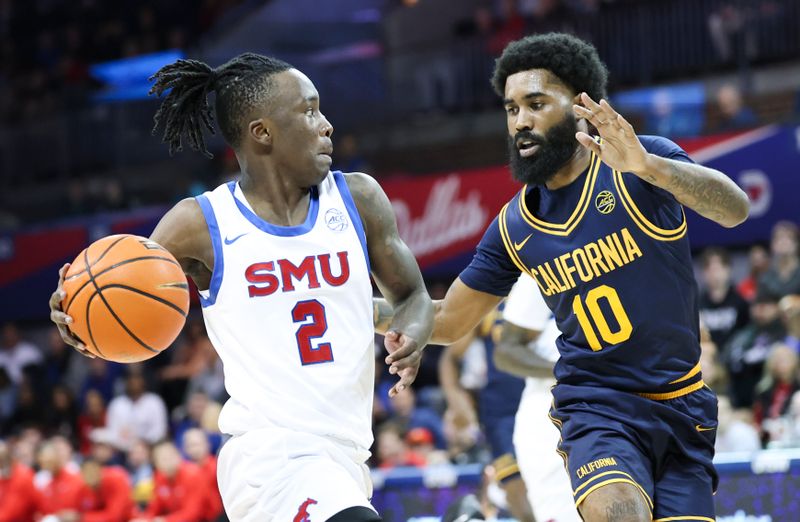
(138, 414)
(16, 354)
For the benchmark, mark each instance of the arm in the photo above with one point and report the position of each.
(398, 277)
(458, 399)
(512, 354)
(183, 233)
(708, 192)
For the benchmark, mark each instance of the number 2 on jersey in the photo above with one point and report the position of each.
(592, 303)
(313, 330)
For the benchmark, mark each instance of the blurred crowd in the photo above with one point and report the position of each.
(47, 46)
(133, 441)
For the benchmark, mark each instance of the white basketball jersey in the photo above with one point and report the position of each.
(289, 310)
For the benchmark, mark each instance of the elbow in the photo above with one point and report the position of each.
(738, 211)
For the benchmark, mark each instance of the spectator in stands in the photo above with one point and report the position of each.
(408, 415)
(141, 472)
(62, 491)
(28, 412)
(464, 441)
(105, 496)
(735, 430)
(93, 416)
(16, 354)
(758, 259)
(348, 157)
(102, 376)
(714, 374)
(102, 447)
(180, 490)
(732, 31)
(775, 391)
(138, 414)
(790, 312)
(192, 417)
(62, 364)
(61, 415)
(733, 114)
(748, 349)
(190, 361)
(393, 450)
(420, 441)
(722, 309)
(25, 447)
(18, 496)
(783, 277)
(198, 449)
(8, 398)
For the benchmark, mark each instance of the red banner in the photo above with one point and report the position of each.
(442, 216)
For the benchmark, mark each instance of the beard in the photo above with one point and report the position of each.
(556, 148)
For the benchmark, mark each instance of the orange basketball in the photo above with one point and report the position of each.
(127, 296)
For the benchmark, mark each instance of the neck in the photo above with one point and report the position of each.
(786, 264)
(717, 293)
(578, 163)
(275, 197)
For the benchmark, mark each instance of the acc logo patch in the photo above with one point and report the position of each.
(605, 202)
(336, 220)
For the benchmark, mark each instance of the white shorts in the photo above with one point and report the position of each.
(542, 469)
(278, 474)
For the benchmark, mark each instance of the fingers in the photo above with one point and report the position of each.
(588, 142)
(600, 115)
(407, 377)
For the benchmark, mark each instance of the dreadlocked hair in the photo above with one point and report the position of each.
(242, 84)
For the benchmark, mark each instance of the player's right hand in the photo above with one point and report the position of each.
(62, 320)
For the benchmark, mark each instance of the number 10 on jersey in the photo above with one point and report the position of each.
(601, 326)
(311, 330)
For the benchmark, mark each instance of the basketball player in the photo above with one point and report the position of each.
(283, 259)
(600, 227)
(497, 401)
(527, 348)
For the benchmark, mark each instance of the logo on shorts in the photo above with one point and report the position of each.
(336, 220)
(702, 428)
(302, 512)
(605, 202)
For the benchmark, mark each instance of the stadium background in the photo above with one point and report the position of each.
(405, 83)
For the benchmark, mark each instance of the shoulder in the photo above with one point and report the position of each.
(362, 186)
(183, 231)
(663, 147)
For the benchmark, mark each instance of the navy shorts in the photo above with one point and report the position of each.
(500, 434)
(662, 447)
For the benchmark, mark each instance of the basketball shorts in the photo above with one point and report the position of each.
(535, 441)
(284, 475)
(499, 431)
(662, 447)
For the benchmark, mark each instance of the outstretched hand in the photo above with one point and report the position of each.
(405, 355)
(619, 148)
(62, 320)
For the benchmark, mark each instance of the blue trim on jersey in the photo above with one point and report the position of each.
(344, 190)
(278, 230)
(216, 242)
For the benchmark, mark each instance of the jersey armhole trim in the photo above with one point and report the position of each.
(641, 221)
(216, 243)
(352, 211)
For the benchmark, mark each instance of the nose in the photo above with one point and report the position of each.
(524, 121)
(326, 129)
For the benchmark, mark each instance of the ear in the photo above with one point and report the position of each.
(260, 131)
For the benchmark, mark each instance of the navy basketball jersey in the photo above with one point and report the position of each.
(503, 391)
(611, 257)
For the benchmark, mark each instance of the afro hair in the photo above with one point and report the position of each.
(569, 58)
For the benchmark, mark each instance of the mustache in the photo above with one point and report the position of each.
(537, 139)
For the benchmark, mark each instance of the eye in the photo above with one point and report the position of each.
(537, 106)
(311, 111)
(512, 111)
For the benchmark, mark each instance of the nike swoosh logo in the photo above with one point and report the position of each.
(518, 246)
(231, 241)
(700, 428)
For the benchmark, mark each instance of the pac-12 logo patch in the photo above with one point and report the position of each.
(605, 202)
(336, 219)
(302, 512)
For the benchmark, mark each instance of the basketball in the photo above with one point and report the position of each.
(127, 296)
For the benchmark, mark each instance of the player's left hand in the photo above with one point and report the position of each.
(405, 355)
(620, 148)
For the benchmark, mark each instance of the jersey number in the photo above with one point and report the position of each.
(313, 330)
(601, 326)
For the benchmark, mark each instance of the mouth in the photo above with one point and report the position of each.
(527, 148)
